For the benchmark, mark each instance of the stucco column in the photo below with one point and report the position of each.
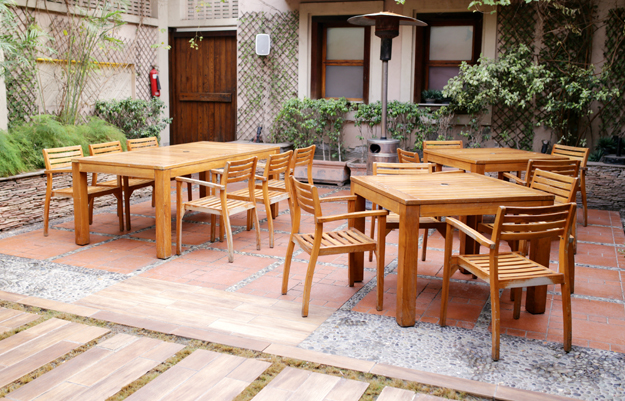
(162, 59)
(4, 117)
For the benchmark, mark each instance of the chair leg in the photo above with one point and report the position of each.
(213, 224)
(120, 210)
(226, 220)
(257, 227)
(571, 268)
(518, 295)
(269, 209)
(446, 275)
(179, 216)
(222, 226)
(46, 213)
(91, 206)
(308, 281)
(153, 201)
(566, 316)
(426, 234)
(584, 201)
(249, 219)
(127, 194)
(380, 258)
(189, 190)
(495, 321)
(287, 266)
(372, 233)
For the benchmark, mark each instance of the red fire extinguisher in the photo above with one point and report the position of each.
(155, 83)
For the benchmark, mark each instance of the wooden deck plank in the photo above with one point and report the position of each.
(23, 337)
(225, 390)
(289, 379)
(118, 341)
(249, 370)
(162, 385)
(8, 314)
(114, 361)
(60, 374)
(162, 351)
(24, 366)
(218, 336)
(272, 394)
(396, 394)
(347, 390)
(316, 387)
(19, 320)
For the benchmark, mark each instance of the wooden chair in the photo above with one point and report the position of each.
(404, 156)
(58, 160)
(275, 165)
(442, 144)
(306, 197)
(129, 184)
(221, 205)
(152, 142)
(580, 154)
(564, 188)
(392, 221)
(563, 167)
(514, 270)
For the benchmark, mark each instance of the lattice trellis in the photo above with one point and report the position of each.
(613, 117)
(265, 82)
(141, 8)
(118, 68)
(516, 25)
(211, 9)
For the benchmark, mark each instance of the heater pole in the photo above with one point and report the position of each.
(384, 96)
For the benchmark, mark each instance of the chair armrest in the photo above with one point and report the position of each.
(515, 179)
(354, 215)
(203, 183)
(449, 172)
(260, 178)
(470, 232)
(344, 198)
(218, 171)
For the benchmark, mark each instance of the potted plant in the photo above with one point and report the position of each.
(316, 121)
(429, 96)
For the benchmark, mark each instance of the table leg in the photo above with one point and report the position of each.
(162, 193)
(81, 205)
(407, 265)
(536, 299)
(468, 246)
(357, 259)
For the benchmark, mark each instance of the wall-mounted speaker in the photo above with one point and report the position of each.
(263, 44)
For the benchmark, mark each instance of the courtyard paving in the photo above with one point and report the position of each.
(198, 294)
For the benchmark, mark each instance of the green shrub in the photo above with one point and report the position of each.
(27, 141)
(136, 118)
(10, 159)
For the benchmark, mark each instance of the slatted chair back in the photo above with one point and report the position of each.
(564, 188)
(401, 168)
(442, 144)
(522, 223)
(105, 148)
(60, 159)
(278, 164)
(404, 156)
(305, 197)
(568, 168)
(571, 152)
(303, 157)
(239, 170)
(140, 143)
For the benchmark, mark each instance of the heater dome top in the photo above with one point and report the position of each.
(370, 19)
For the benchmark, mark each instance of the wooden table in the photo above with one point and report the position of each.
(484, 160)
(431, 195)
(160, 164)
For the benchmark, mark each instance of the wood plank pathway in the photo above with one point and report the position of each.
(11, 319)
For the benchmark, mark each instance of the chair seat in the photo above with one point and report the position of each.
(69, 192)
(132, 182)
(212, 205)
(278, 185)
(274, 196)
(514, 269)
(393, 218)
(337, 242)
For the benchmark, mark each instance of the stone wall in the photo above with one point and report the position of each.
(22, 199)
(605, 186)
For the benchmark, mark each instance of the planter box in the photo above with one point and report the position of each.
(356, 168)
(325, 172)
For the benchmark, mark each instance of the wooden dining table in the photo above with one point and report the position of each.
(484, 160)
(160, 164)
(430, 195)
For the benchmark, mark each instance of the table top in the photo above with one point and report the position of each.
(490, 155)
(175, 156)
(433, 189)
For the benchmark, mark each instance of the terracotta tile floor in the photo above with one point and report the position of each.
(598, 303)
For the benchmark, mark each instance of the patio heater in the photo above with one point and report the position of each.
(386, 28)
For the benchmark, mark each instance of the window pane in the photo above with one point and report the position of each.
(451, 42)
(440, 75)
(346, 44)
(344, 81)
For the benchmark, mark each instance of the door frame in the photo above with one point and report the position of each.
(173, 34)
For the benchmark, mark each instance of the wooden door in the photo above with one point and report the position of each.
(203, 93)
